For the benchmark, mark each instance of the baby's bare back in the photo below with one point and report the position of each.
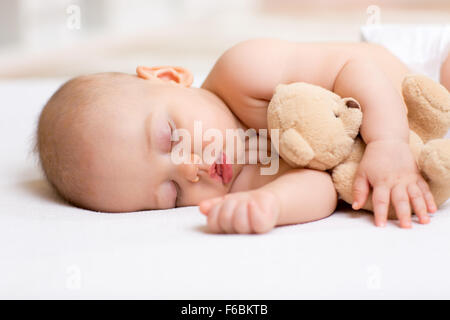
(246, 75)
(339, 54)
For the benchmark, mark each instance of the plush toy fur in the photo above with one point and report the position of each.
(319, 130)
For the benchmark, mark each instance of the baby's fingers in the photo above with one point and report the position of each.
(360, 191)
(213, 219)
(400, 200)
(241, 221)
(226, 215)
(257, 221)
(206, 205)
(429, 199)
(418, 203)
(380, 200)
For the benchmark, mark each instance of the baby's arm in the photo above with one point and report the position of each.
(247, 74)
(298, 196)
(381, 103)
(388, 164)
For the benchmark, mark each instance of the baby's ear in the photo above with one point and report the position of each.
(177, 75)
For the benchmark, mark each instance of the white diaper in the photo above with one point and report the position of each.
(423, 48)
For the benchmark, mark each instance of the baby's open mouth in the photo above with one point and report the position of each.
(221, 171)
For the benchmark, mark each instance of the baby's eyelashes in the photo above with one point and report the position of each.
(178, 192)
(167, 138)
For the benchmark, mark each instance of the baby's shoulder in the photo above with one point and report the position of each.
(246, 66)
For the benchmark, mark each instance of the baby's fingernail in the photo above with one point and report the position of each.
(406, 225)
(355, 205)
(202, 207)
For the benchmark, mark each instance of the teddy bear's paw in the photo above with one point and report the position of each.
(428, 105)
(343, 176)
(419, 86)
(434, 161)
(295, 150)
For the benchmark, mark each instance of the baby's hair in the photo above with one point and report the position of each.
(62, 115)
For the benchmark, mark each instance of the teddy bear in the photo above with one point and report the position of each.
(320, 130)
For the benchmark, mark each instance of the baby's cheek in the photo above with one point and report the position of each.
(166, 195)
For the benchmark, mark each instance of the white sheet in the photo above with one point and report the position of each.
(51, 250)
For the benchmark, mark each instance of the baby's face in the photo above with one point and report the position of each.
(127, 157)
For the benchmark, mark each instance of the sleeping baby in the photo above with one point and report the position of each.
(107, 141)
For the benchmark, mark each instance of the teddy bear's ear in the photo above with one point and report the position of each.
(351, 103)
(294, 149)
(351, 116)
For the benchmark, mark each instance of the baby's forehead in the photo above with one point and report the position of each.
(109, 111)
(114, 102)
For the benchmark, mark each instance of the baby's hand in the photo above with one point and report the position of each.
(253, 211)
(389, 167)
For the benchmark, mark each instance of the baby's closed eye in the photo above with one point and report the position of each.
(164, 137)
(168, 194)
